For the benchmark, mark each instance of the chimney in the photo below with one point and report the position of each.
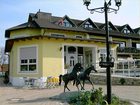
(43, 15)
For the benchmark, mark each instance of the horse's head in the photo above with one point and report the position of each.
(78, 67)
(92, 68)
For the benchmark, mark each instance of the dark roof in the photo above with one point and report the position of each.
(137, 30)
(46, 20)
(21, 26)
(121, 28)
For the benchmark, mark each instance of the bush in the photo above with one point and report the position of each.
(122, 81)
(95, 97)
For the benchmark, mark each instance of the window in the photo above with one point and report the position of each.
(139, 32)
(28, 59)
(134, 44)
(88, 25)
(122, 44)
(71, 49)
(109, 28)
(66, 23)
(103, 54)
(79, 36)
(126, 31)
(57, 35)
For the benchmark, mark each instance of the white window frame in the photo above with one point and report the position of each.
(88, 25)
(104, 54)
(19, 64)
(109, 28)
(122, 44)
(126, 31)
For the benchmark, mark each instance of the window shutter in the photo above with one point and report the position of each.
(28, 53)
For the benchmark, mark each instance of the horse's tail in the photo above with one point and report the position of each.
(60, 79)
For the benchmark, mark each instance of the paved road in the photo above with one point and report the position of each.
(28, 96)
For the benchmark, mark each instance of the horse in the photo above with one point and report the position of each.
(70, 76)
(85, 76)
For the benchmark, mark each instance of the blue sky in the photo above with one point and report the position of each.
(15, 12)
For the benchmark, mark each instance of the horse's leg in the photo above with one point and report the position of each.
(77, 83)
(66, 85)
(73, 82)
(83, 85)
(77, 87)
(91, 82)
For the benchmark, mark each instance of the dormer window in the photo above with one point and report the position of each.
(139, 32)
(109, 28)
(66, 23)
(88, 25)
(126, 31)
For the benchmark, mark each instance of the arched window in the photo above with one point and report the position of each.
(71, 49)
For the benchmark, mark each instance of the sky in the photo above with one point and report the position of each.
(15, 12)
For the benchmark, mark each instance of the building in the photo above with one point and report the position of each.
(47, 45)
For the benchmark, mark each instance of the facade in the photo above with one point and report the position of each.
(48, 45)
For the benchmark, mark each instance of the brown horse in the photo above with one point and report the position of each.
(70, 76)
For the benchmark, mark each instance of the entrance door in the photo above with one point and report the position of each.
(88, 58)
(71, 57)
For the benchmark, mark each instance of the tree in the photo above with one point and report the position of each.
(3, 58)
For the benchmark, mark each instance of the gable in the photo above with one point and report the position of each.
(111, 27)
(66, 22)
(88, 24)
(137, 30)
(127, 29)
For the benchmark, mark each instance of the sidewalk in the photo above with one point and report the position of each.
(26, 96)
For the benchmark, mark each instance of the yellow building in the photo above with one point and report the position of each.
(47, 45)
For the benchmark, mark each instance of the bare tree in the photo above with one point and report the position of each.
(3, 58)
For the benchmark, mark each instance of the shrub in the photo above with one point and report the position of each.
(122, 81)
(95, 97)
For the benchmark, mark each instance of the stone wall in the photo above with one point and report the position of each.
(101, 79)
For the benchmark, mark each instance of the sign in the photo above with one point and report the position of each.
(106, 64)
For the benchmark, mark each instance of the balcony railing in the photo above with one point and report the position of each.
(132, 50)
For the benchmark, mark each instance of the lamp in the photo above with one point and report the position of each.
(108, 64)
(60, 48)
(86, 2)
(118, 3)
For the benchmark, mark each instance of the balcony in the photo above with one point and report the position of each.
(128, 50)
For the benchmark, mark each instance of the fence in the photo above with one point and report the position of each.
(129, 68)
